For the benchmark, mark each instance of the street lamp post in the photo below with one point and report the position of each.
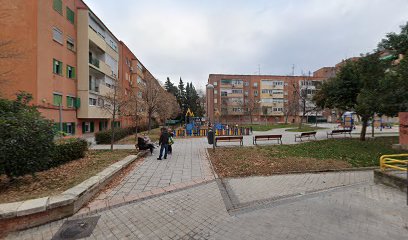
(210, 87)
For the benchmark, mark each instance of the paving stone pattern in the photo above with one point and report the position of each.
(365, 211)
(187, 163)
(256, 188)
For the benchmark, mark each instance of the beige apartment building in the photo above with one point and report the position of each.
(68, 60)
(262, 98)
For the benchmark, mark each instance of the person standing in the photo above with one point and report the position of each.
(171, 141)
(163, 143)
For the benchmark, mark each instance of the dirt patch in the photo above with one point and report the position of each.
(59, 179)
(252, 161)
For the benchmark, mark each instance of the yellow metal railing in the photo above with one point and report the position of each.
(395, 161)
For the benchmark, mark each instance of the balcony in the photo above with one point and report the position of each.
(94, 61)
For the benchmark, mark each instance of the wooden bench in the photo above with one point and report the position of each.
(266, 138)
(305, 134)
(339, 132)
(239, 139)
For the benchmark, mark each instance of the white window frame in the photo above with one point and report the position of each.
(58, 38)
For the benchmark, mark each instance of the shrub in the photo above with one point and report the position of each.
(67, 150)
(104, 137)
(26, 138)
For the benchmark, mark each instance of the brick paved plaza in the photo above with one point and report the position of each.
(335, 205)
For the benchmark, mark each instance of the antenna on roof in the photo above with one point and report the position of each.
(293, 69)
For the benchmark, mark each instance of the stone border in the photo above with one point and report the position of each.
(30, 213)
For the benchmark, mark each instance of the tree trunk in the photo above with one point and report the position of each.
(149, 123)
(364, 120)
(286, 117)
(250, 115)
(372, 127)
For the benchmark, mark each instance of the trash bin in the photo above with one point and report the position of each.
(210, 136)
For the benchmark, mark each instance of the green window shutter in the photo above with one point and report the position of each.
(73, 128)
(68, 101)
(70, 15)
(92, 127)
(57, 99)
(54, 66)
(77, 102)
(64, 127)
(83, 127)
(67, 71)
(57, 5)
(73, 72)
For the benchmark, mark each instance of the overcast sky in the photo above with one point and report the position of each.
(193, 38)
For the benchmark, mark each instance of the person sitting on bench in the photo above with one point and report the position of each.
(144, 144)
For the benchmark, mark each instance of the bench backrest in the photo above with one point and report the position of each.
(341, 131)
(228, 137)
(307, 133)
(268, 136)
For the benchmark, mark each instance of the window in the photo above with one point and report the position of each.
(256, 93)
(57, 5)
(226, 81)
(139, 65)
(215, 83)
(139, 79)
(215, 100)
(139, 94)
(255, 84)
(57, 99)
(93, 84)
(70, 72)
(92, 101)
(246, 84)
(70, 43)
(70, 15)
(57, 67)
(236, 90)
(246, 93)
(101, 102)
(57, 35)
(88, 127)
(215, 92)
(224, 94)
(69, 128)
(237, 82)
(70, 102)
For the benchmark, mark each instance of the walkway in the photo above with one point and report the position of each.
(359, 211)
(188, 165)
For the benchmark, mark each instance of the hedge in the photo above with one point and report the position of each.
(104, 137)
(67, 150)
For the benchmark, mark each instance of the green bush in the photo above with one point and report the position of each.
(104, 137)
(26, 138)
(67, 150)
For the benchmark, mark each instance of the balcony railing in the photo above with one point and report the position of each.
(94, 61)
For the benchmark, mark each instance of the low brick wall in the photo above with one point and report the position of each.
(30, 213)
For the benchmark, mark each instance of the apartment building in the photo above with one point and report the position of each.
(68, 60)
(261, 98)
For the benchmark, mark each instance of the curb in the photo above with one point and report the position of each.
(30, 213)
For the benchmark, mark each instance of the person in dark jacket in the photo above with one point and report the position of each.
(163, 143)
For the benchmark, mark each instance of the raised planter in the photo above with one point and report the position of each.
(30, 213)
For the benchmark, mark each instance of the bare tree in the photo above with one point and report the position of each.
(115, 102)
(251, 107)
(168, 108)
(151, 95)
(303, 95)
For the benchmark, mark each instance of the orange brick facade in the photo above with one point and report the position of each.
(51, 40)
(264, 98)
